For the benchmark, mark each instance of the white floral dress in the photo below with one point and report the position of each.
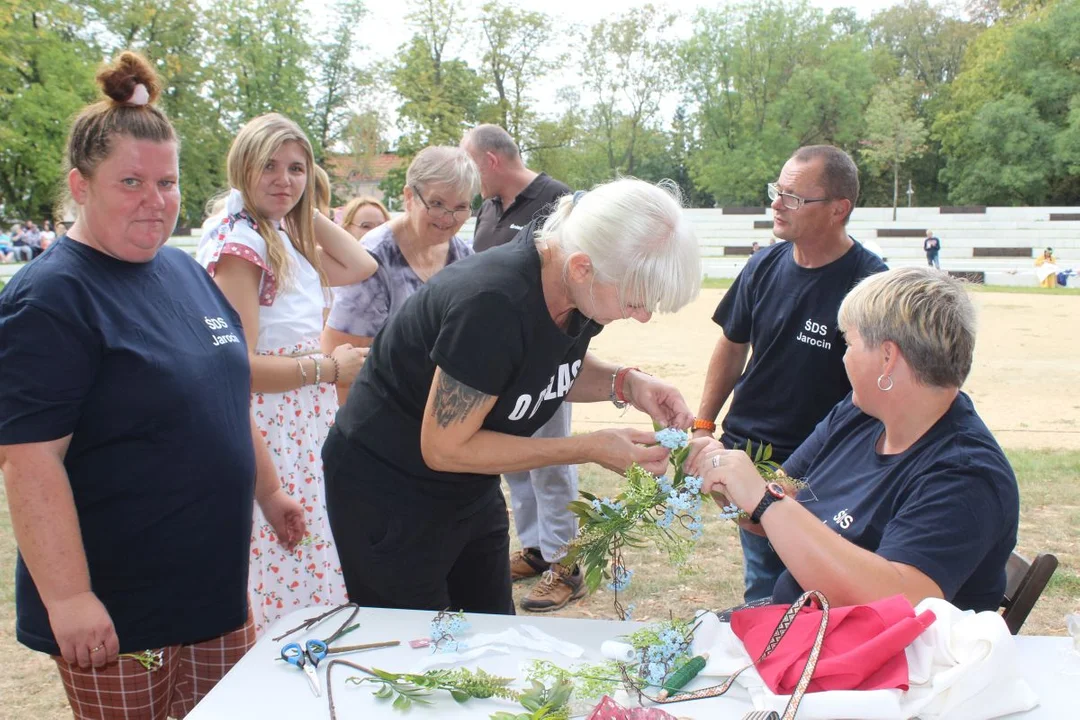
(294, 423)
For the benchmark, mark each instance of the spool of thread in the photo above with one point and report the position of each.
(613, 650)
(679, 679)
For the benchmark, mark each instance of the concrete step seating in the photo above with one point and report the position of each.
(1000, 243)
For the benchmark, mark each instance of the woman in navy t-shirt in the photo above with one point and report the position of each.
(907, 490)
(126, 440)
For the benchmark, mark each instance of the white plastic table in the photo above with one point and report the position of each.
(261, 687)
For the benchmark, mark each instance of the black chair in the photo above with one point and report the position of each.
(1024, 582)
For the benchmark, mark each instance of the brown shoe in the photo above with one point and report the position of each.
(527, 563)
(556, 588)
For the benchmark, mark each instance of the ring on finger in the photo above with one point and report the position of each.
(97, 649)
(716, 461)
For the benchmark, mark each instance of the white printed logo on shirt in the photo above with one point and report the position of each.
(218, 323)
(843, 519)
(565, 378)
(814, 334)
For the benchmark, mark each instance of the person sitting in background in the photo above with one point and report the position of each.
(1046, 269)
(907, 492)
(439, 184)
(48, 236)
(363, 214)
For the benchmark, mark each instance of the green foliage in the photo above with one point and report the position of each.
(462, 684)
(998, 87)
(894, 133)
(542, 703)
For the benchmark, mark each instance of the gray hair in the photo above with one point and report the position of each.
(492, 138)
(444, 165)
(839, 175)
(926, 312)
(637, 238)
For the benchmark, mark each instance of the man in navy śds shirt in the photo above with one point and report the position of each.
(784, 305)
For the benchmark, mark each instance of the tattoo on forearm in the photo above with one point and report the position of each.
(454, 401)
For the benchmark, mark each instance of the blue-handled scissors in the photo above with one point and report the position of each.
(306, 658)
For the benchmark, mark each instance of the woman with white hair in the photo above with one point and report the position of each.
(471, 365)
(907, 490)
(439, 184)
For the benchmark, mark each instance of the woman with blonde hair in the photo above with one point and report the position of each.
(127, 446)
(272, 255)
(363, 214)
(906, 490)
(468, 368)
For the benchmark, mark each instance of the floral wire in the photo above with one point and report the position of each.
(312, 622)
(149, 659)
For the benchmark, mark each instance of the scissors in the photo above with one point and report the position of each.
(306, 658)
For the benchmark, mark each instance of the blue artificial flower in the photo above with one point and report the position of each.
(628, 611)
(672, 438)
(620, 578)
(692, 484)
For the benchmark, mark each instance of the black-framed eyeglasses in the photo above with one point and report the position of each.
(438, 211)
(791, 202)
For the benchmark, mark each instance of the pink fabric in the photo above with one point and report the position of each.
(268, 289)
(863, 649)
(608, 709)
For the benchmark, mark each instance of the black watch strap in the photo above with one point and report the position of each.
(768, 499)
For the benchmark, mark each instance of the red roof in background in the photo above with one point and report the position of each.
(351, 168)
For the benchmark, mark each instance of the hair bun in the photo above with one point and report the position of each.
(120, 78)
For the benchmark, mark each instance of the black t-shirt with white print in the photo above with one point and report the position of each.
(485, 323)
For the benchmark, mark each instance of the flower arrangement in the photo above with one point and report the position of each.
(658, 510)
(445, 627)
(660, 650)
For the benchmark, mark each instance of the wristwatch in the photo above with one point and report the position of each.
(773, 492)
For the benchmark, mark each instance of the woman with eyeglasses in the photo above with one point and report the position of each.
(439, 186)
(472, 364)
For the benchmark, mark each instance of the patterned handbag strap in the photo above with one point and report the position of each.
(778, 634)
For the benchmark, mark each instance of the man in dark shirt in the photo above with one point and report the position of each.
(784, 304)
(514, 196)
(932, 247)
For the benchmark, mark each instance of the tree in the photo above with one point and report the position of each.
(894, 134)
(46, 77)
(765, 79)
(1005, 157)
(514, 60)
(338, 77)
(439, 94)
(626, 65)
(265, 46)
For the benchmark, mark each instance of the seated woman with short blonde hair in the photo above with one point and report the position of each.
(907, 490)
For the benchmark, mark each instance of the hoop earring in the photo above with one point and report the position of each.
(886, 388)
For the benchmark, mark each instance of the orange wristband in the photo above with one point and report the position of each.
(702, 424)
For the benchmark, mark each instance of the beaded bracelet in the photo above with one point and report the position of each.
(318, 371)
(303, 373)
(337, 369)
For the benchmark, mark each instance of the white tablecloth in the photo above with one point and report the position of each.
(261, 687)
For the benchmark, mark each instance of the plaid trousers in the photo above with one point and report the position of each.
(126, 690)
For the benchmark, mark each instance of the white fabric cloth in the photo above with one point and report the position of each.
(523, 637)
(961, 668)
(288, 315)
